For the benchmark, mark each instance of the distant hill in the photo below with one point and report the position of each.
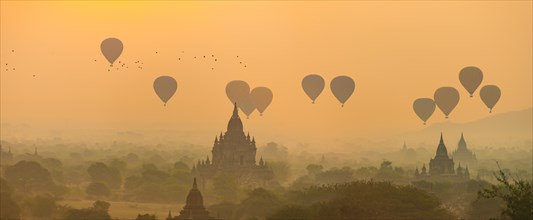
(514, 128)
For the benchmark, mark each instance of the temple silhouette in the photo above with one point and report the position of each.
(194, 206)
(6, 158)
(234, 153)
(442, 165)
(462, 154)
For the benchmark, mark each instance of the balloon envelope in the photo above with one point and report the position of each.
(247, 106)
(446, 99)
(111, 48)
(342, 87)
(424, 108)
(261, 98)
(313, 85)
(471, 78)
(165, 87)
(490, 94)
(237, 91)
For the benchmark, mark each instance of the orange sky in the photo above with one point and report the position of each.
(395, 51)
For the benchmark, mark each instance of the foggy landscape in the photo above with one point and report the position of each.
(266, 110)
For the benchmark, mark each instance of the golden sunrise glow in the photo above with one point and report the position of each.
(395, 52)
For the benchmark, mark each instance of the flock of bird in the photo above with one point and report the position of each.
(9, 67)
(166, 86)
(112, 49)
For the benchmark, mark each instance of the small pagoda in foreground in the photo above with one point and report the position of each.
(194, 206)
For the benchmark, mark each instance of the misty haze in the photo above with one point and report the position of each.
(268, 110)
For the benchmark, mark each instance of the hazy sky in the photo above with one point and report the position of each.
(395, 51)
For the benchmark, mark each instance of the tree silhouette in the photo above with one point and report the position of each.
(517, 194)
(10, 209)
(42, 206)
(30, 176)
(259, 203)
(145, 217)
(314, 169)
(98, 190)
(362, 200)
(99, 211)
(100, 172)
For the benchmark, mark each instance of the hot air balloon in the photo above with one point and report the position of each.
(111, 48)
(247, 106)
(424, 108)
(261, 98)
(238, 91)
(471, 78)
(490, 94)
(313, 85)
(446, 99)
(342, 87)
(165, 87)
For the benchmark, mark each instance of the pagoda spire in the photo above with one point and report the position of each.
(441, 149)
(194, 205)
(235, 123)
(235, 111)
(169, 217)
(462, 143)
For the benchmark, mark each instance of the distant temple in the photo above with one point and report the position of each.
(407, 153)
(463, 154)
(5, 157)
(194, 206)
(442, 165)
(234, 153)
